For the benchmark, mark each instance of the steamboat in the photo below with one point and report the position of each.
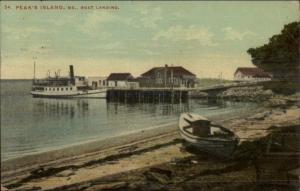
(65, 87)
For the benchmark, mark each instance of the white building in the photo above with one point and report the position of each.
(133, 84)
(119, 79)
(97, 81)
(80, 81)
(251, 74)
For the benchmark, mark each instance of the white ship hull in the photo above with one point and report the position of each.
(99, 93)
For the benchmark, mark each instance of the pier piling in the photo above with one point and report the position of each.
(147, 95)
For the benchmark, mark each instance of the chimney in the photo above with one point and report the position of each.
(72, 75)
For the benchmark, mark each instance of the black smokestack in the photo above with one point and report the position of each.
(72, 75)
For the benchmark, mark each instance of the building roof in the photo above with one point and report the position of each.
(120, 76)
(97, 77)
(254, 72)
(177, 71)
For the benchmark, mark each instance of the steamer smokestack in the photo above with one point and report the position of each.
(72, 75)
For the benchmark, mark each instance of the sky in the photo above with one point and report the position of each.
(208, 38)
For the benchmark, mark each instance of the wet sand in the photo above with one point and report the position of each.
(148, 160)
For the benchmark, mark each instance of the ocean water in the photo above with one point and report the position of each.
(32, 125)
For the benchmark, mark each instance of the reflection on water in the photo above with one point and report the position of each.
(60, 108)
(30, 125)
(165, 109)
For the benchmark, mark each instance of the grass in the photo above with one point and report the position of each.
(205, 82)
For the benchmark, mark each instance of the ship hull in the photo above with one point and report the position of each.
(217, 142)
(222, 148)
(74, 94)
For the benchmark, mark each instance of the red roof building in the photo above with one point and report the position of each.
(168, 76)
(251, 73)
(177, 71)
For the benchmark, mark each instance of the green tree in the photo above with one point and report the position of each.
(280, 56)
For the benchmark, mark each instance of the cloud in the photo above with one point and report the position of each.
(63, 20)
(192, 33)
(17, 33)
(93, 21)
(231, 34)
(37, 50)
(149, 52)
(150, 17)
(112, 45)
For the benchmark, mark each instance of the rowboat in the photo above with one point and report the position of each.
(200, 133)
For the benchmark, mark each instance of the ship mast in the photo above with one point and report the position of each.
(34, 70)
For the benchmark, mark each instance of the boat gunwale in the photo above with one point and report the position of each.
(215, 139)
(232, 138)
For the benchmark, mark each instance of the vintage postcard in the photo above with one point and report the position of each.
(156, 96)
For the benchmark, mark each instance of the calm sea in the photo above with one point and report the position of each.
(31, 125)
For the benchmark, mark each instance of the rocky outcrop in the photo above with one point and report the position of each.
(284, 101)
(198, 94)
(255, 93)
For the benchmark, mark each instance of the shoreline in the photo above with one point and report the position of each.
(82, 143)
(97, 145)
(83, 148)
(132, 158)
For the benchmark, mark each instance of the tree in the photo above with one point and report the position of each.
(281, 55)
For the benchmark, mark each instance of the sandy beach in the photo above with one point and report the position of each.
(153, 159)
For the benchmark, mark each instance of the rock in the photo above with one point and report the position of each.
(276, 102)
(260, 116)
(128, 149)
(108, 186)
(158, 175)
(83, 186)
(3, 188)
(65, 173)
(294, 107)
(29, 188)
(268, 92)
(175, 160)
(111, 162)
(198, 94)
(253, 93)
(277, 112)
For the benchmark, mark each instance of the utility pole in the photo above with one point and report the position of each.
(34, 69)
(221, 77)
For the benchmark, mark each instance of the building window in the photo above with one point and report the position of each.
(62, 89)
(67, 89)
(57, 89)
(71, 88)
